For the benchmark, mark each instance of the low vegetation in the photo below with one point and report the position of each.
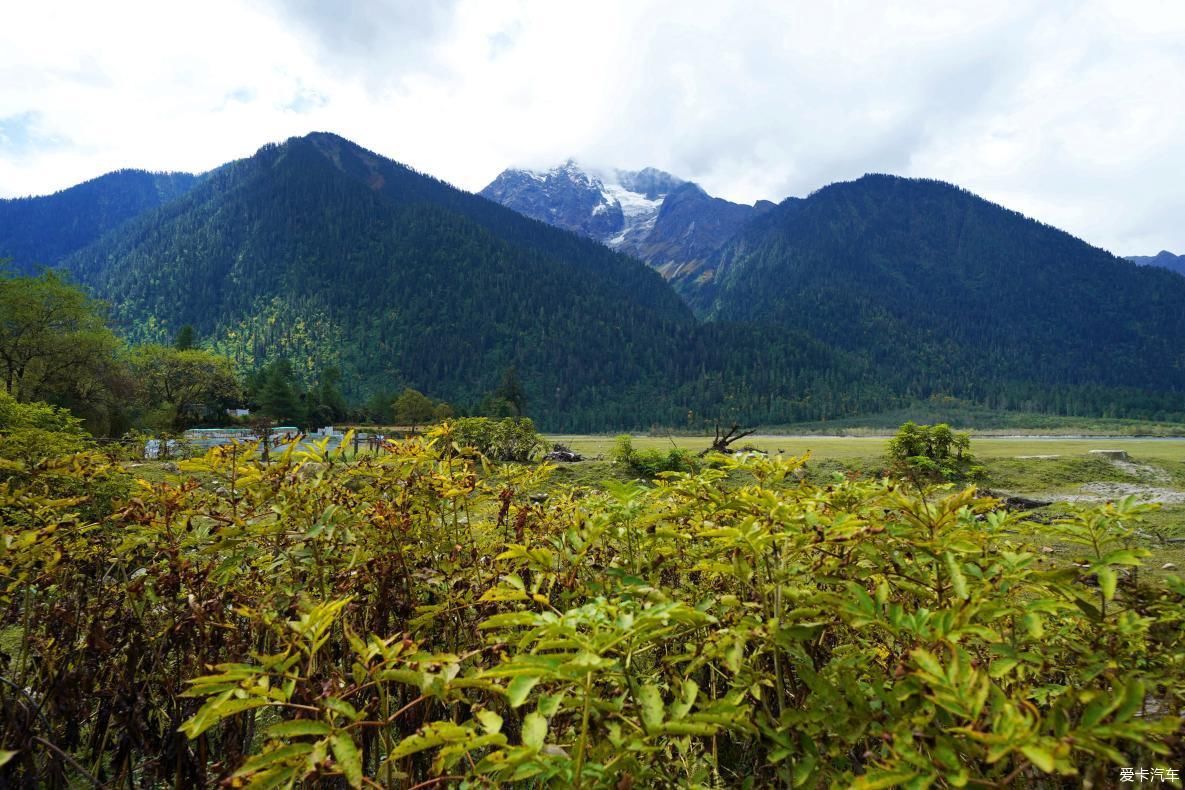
(932, 453)
(650, 463)
(507, 439)
(418, 618)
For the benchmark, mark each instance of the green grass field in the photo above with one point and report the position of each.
(844, 448)
(964, 417)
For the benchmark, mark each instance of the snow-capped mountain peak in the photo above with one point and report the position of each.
(613, 206)
(670, 223)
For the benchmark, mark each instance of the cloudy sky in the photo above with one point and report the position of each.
(1072, 112)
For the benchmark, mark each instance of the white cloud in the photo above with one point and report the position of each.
(1072, 112)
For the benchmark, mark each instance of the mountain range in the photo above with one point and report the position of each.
(1163, 259)
(863, 296)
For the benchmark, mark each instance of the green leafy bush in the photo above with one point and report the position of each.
(15, 415)
(31, 445)
(45, 453)
(404, 620)
(650, 463)
(507, 439)
(933, 453)
(33, 432)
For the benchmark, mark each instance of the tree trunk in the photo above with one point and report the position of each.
(723, 440)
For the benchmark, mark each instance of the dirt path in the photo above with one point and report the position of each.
(1106, 492)
(1150, 484)
(1144, 471)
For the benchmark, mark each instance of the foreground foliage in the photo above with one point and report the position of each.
(414, 617)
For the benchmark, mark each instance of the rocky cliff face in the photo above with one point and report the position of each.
(692, 226)
(565, 196)
(672, 224)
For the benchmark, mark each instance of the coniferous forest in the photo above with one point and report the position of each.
(863, 297)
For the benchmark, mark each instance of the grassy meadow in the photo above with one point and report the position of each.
(847, 448)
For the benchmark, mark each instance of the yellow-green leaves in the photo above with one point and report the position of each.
(347, 757)
(1107, 581)
(957, 580)
(519, 688)
(216, 709)
(729, 625)
(297, 728)
(650, 703)
(534, 730)
(490, 722)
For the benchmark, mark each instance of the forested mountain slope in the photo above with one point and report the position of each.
(43, 230)
(862, 297)
(324, 253)
(971, 298)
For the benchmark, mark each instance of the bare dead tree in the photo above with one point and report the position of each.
(722, 441)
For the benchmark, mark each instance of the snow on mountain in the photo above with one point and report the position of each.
(638, 211)
(566, 196)
(613, 206)
(672, 224)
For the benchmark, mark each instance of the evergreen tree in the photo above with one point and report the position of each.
(278, 397)
(498, 408)
(327, 405)
(511, 391)
(378, 407)
(186, 338)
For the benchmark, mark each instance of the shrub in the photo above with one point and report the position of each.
(932, 453)
(45, 453)
(650, 463)
(507, 439)
(34, 432)
(14, 414)
(400, 621)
